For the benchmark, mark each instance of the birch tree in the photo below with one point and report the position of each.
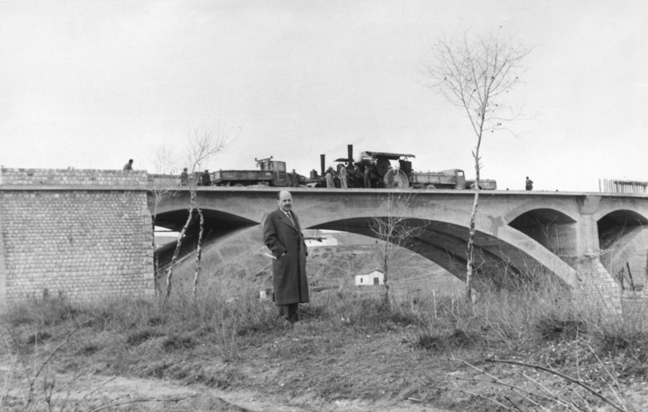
(203, 142)
(476, 74)
(161, 186)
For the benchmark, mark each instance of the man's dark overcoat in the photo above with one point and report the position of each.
(289, 269)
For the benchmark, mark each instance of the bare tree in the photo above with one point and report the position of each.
(165, 159)
(475, 75)
(160, 186)
(203, 143)
(395, 229)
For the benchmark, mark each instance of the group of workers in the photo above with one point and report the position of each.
(344, 175)
(202, 178)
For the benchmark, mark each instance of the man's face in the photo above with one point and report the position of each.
(285, 201)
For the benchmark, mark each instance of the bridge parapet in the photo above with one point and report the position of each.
(16, 177)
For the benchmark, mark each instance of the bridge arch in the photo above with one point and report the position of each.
(558, 206)
(623, 240)
(507, 237)
(551, 228)
(498, 260)
(617, 225)
(217, 221)
(218, 225)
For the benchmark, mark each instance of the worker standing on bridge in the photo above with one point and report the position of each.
(184, 177)
(128, 166)
(357, 177)
(343, 177)
(282, 235)
(528, 184)
(330, 183)
(206, 180)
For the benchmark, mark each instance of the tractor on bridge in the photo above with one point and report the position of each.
(385, 175)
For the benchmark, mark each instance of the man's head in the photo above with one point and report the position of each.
(130, 161)
(284, 200)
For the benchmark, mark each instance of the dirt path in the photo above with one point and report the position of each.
(94, 392)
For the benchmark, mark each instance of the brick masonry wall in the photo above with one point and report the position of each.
(84, 244)
(72, 177)
(597, 290)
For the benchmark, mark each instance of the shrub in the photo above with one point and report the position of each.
(552, 328)
(175, 342)
(138, 337)
(457, 339)
(38, 337)
(43, 312)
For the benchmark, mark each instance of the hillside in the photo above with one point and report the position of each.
(327, 267)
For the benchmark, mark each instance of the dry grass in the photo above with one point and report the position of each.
(346, 344)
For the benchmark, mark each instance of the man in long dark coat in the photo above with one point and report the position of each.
(282, 235)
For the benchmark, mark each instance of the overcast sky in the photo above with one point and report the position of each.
(90, 84)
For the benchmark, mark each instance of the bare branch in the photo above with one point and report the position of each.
(203, 142)
(474, 74)
(394, 229)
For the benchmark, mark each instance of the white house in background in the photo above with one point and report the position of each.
(374, 278)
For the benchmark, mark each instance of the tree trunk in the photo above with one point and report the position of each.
(198, 252)
(156, 258)
(176, 253)
(386, 269)
(470, 264)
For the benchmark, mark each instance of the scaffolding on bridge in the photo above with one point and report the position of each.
(622, 186)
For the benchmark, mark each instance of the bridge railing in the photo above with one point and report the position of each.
(622, 186)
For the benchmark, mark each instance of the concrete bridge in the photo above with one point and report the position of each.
(86, 233)
(581, 239)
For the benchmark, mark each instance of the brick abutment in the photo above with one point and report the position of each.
(82, 234)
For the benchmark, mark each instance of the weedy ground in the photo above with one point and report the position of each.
(520, 351)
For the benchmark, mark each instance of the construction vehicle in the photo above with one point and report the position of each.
(384, 175)
(374, 169)
(270, 173)
(379, 171)
(448, 179)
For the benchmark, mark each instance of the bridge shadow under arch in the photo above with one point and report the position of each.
(499, 259)
(548, 227)
(218, 225)
(497, 263)
(619, 226)
(623, 239)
